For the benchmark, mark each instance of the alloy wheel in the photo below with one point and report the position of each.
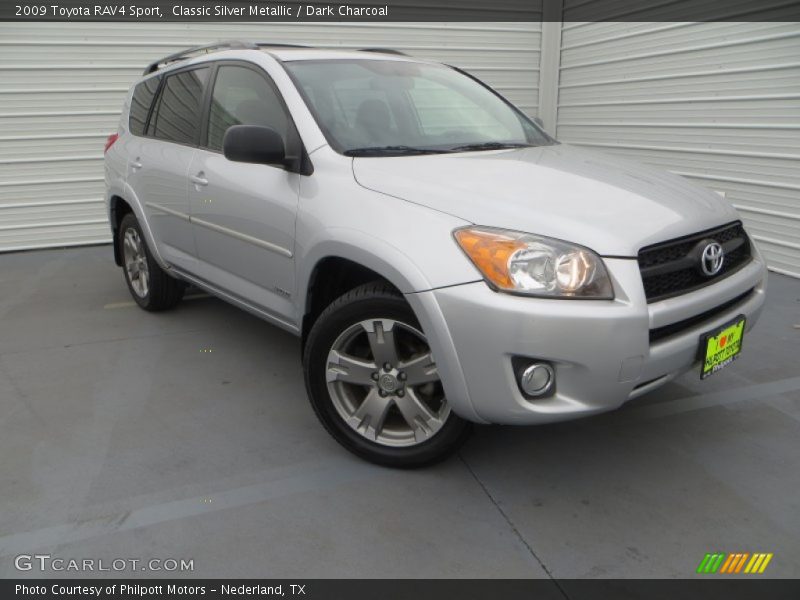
(383, 382)
(135, 258)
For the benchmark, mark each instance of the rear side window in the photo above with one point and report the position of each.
(140, 104)
(242, 96)
(177, 116)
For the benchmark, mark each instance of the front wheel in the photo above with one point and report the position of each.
(373, 382)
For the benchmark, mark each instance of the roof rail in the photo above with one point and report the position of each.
(189, 52)
(383, 51)
(271, 45)
(240, 45)
(227, 45)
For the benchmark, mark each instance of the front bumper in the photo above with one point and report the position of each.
(600, 350)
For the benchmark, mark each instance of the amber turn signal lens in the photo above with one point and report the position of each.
(490, 252)
(534, 265)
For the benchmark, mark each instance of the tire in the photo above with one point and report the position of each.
(371, 381)
(148, 283)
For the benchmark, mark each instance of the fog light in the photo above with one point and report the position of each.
(537, 379)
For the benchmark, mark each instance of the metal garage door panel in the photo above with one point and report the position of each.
(728, 136)
(52, 131)
(18, 147)
(66, 233)
(16, 171)
(53, 101)
(717, 102)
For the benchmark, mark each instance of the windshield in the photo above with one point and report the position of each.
(387, 107)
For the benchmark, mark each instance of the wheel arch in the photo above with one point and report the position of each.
(335, 267)
(117, 209)
(330, 278)
(120, 200)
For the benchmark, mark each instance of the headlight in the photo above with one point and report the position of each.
(523, 263)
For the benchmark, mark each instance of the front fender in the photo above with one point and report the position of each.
(406, 275)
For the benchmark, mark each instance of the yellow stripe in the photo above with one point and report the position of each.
(728, 562)
(752, 563)
(761, 557)
(766, 562)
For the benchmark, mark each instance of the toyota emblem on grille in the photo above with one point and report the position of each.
(712, 258)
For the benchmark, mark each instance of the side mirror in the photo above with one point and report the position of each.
(538, 121)
(254, 144)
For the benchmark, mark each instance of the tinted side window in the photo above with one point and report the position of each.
(178, 113)
(242, 96)
(140, 104)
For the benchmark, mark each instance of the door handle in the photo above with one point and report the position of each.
(136, 165)
(199, 179)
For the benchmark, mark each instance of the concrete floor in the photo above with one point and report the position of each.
(121, 438)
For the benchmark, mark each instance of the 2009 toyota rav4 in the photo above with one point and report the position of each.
(443, 259)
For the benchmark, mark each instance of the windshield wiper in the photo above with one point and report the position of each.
(489, 146)
(391, 150)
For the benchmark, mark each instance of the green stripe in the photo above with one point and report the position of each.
(718, 563)
(702, 566)
(711, 561)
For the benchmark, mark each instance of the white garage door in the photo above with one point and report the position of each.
(716, 102)
(63, 85)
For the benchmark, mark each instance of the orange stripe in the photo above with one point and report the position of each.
(736, 558)
(728, 562)
(741, 562)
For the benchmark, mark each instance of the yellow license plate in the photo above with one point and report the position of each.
(721, 347)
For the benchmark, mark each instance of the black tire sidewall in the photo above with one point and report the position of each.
(341, 315)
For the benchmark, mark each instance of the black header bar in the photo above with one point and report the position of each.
(705, 588)
(400, 10)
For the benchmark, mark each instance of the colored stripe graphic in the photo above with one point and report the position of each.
(734, 561)
(701, 568)
(766, 562)
(717, 563)
(754, 563)
(759, 563)
(728, 564)
(742, 559)
(721, 562)
(711, 562)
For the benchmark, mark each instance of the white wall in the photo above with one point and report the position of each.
(62, 85)
(716, 102)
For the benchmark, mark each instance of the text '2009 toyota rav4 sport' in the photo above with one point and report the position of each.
(443, 259)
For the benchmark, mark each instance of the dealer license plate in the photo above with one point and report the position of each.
(721, 347)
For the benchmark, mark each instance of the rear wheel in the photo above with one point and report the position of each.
(149, 284)
(374, 384)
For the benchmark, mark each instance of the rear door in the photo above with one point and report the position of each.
(243, 215)
(159, 164)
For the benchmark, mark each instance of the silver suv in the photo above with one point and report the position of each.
(442, 258)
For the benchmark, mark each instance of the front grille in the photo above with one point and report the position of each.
(673, 268)
(660, 333)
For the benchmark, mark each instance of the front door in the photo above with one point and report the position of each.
(243, 215)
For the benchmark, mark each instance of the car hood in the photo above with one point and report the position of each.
(611, 205)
